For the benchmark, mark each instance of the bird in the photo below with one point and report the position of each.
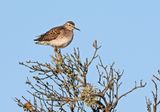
(58, 37)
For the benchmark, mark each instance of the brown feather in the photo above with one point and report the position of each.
(50, 35)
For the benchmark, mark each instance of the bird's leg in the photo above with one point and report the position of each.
(55, 49)
(58, 59)
(59, 55)
(57, 52)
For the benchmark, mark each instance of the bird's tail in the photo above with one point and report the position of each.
(35, 39)
(41, 43)
(37, 42)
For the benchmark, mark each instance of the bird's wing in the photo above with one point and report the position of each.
(50, 35)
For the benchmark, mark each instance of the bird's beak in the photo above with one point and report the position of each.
(77, 28)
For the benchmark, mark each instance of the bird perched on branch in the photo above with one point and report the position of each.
(58, 37)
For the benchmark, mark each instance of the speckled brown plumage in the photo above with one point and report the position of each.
(59, 36)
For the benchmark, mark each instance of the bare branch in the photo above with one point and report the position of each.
(152, 105)
(62, 84)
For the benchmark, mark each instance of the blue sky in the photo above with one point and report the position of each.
(128, 30)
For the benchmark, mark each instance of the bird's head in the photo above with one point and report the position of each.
(70, 25)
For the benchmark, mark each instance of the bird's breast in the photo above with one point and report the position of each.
(62, 41)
